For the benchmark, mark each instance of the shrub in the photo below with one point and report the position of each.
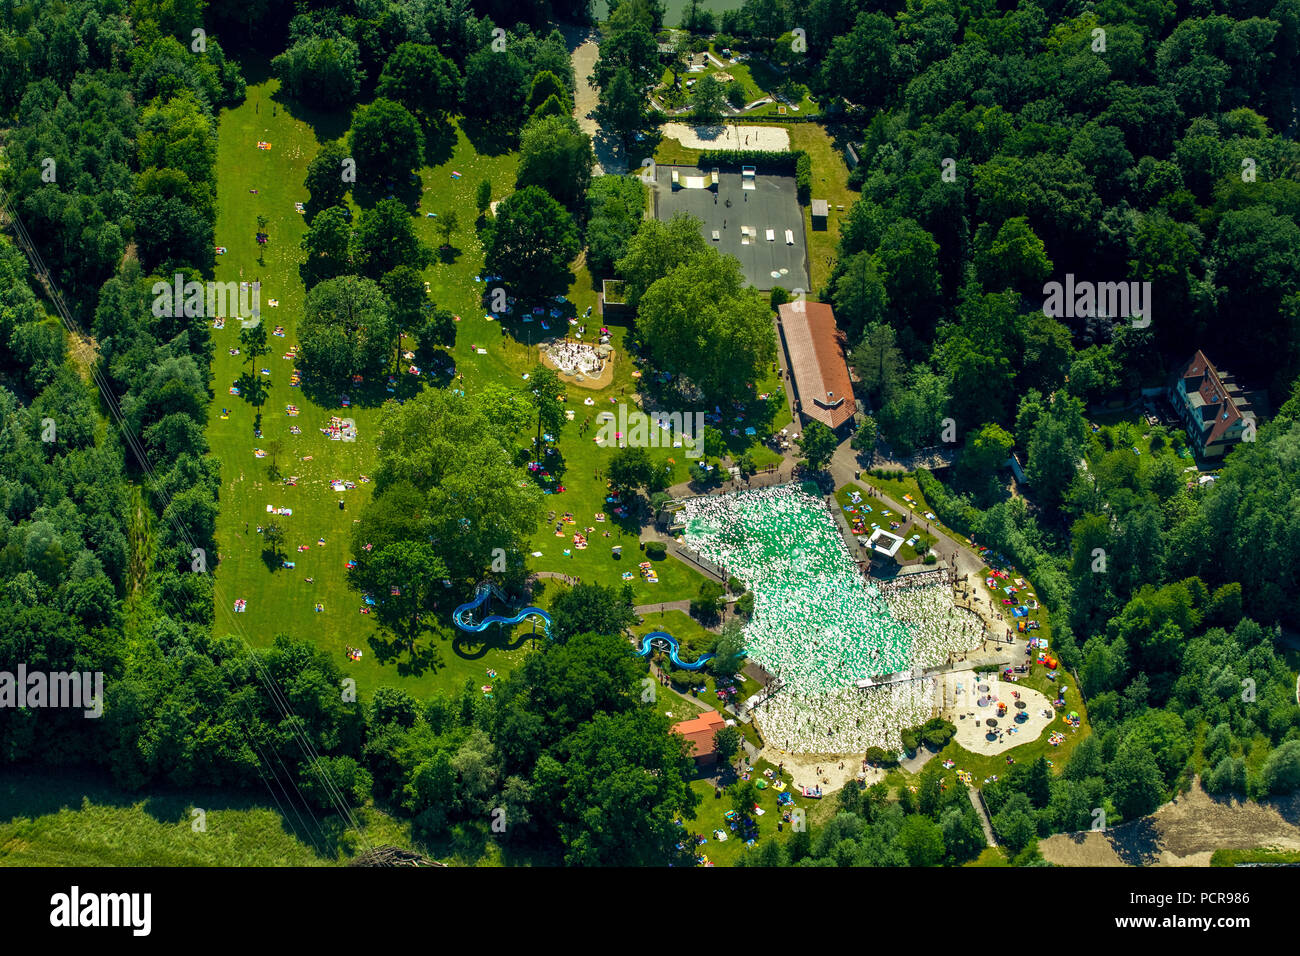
(680, 679)
(735, 585)
(704, 605)
(745, 604)
(768, 161)
(656, 550)
(803, 178)
(937, 732)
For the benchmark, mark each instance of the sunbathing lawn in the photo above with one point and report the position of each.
(280, 600)
(709, 816)
(895, 488)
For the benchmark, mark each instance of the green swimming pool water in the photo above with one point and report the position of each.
(817, 623)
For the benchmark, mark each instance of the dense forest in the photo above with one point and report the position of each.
(1001, 145)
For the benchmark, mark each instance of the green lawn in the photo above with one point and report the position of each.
(1261, 855)
(895, 488)
(1129, 432)
(281, 600)
(54, 819)
(758, 79)
(709, 816)
(990, 856)
(830, 181)
(693, 636)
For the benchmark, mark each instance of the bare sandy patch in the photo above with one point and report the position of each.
(726, 136)
(831, 771)
(1184, 832)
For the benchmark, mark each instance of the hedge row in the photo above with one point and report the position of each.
(803, 178)
(772, 161)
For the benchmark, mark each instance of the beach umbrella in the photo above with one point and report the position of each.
(992, 722)
(1021, 705)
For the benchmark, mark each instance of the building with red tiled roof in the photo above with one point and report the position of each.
(699, 731)
(1215, 410)
(814, 350)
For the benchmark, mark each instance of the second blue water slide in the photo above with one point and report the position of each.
(673, 648)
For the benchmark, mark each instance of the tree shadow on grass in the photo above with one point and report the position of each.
(488, 137)
(411, 661)
(448, 255)
(271, 559)
(407, 192)
(474, 646)
(439, 144)
(326, 125)
(370, 393)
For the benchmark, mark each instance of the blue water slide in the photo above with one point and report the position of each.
(673, 647)
(462, 615)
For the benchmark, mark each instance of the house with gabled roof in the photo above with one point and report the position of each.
(1214, 409)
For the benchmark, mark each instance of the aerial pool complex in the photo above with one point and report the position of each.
(820, 626)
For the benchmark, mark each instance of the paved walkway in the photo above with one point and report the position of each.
(978, 804)
(644, 610)
(609, 153)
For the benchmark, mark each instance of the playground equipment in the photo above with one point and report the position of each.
(463, 618)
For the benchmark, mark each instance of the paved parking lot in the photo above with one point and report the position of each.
(742, 218)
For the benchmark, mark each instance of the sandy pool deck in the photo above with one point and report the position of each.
(963, 710)
(803, 768)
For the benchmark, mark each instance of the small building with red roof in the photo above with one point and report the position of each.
(699, 732)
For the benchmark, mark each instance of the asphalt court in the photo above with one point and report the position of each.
(742, 218)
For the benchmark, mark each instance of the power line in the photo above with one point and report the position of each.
(269, 685)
